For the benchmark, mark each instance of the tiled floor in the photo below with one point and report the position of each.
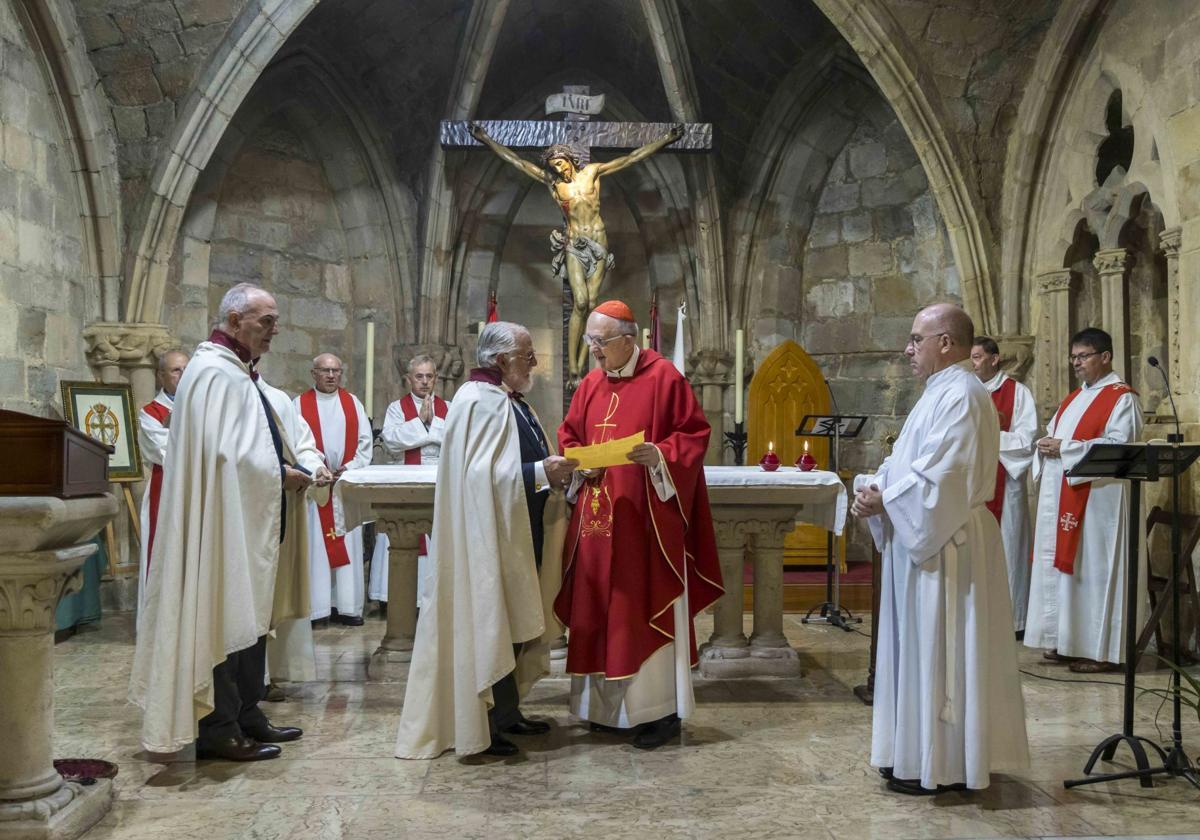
(762, 758)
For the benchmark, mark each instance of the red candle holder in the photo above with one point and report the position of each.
(770, 461)
(806, 462)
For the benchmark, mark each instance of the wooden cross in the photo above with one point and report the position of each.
(576, 129)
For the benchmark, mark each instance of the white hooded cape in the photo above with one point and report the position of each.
(219, 577)
(486, 595)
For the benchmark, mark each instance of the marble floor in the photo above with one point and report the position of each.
(762, 758)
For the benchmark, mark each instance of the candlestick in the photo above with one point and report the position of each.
(646, 339)
(482, 324)
(370, 378)
(739, 374)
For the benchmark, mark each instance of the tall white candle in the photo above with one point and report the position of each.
(370, 379)
(645, 339)
(739, 374)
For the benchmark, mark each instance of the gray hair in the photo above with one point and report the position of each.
(496, 338)
(175, 351)
(236, 300)
(623, 327)
(423, 359)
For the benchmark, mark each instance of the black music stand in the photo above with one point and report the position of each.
(1138, 463)
(836, 427)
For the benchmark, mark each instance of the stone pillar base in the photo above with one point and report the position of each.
(63, 815)
(389, 665)
(737, 662)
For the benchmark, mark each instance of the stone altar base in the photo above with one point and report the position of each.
(389, 665)
(738, 662)
(65, 814)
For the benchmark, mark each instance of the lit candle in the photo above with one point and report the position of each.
(646, 339)
(805, 446)
(739, 374)
(370, 383)
(770, 446)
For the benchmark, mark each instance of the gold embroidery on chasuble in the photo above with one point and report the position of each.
(598, 513)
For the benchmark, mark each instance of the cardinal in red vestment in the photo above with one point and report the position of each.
(640, 559)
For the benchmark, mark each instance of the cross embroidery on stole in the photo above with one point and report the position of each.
(599, 521)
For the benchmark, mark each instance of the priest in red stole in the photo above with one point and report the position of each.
(640, 558)
(342, 432)
(154, 426)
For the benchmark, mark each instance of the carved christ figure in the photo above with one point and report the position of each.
(580, 250)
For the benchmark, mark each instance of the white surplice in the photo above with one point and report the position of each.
(1016, 456)
(398, 436)
(220, 578)
(663, 685)
(342, 588)
(152, 440)
(948, 706)
(1083, 614)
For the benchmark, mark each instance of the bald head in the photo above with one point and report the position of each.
(942, 335)
(327, 373)
(170, 369)
(951, 320)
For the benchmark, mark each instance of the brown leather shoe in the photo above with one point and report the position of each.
(1091, 666)
(1055, 656)
(270, 734)
(235, 748)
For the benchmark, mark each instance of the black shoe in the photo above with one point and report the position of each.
(913, 787)
(268, 734)
(501, 746)
(886, 772)
(608, 730)
(525, 726)
(235, 748)
(654, 735)
(350, 620)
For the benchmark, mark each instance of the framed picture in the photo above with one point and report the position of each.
(104, 410)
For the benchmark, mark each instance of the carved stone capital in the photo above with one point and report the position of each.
(1058, 280)
(33, 582)
(1016, 354)
(710, 367)
(126, 345)
(1170, 241)
(766, 531)
(404, 532)
(1112, 261)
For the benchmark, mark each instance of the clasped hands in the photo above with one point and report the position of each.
(868, 501)
(1050, 447)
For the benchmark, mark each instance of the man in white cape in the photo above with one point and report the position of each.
(483, 640)
(1081, 537)
(154, 425)
(229, 557)
(1017, 413)
(343, 434)
(948, 709)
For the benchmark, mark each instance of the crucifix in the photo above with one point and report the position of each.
(580, 256)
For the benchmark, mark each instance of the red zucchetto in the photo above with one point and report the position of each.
(615, 309)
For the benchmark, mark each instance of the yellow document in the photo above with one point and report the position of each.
(609, 454)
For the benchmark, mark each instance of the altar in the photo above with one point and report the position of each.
(753, 511)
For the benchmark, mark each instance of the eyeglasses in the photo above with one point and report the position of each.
(328, 371)
(915, 340)
(1082, 357)
(529, 358)
(597, 343)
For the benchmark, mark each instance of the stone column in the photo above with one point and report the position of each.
(767, 639)
(728, 640)
(711, 373)
(1178, 301)
(1053, 369)
(1113, 267)
(404, 530)
(39, 564)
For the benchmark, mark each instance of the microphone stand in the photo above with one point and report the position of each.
(1177, 763)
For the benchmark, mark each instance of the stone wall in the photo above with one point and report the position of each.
(46, 296)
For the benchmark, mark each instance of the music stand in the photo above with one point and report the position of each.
(1138, 463)
(835, 427)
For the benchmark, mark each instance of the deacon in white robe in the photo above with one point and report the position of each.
(154, 423)
(1018, 428)
(228, 562)
(412, 434)
(1079, 615)
(483, 640)
(335, 416)
(948, 708)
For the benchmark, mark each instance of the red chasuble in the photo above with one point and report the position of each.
(335, 546)
(1073, 499)
(627, 553)
(1003, 398)
(160, 413)
(408, 405)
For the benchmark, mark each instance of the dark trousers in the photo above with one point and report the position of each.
(506, 710)
(238, 685)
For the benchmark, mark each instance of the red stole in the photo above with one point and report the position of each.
(1072, 500)
(160, 413)
(412, 457)
(335, 546)
(627, 553)
(1003, 398)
